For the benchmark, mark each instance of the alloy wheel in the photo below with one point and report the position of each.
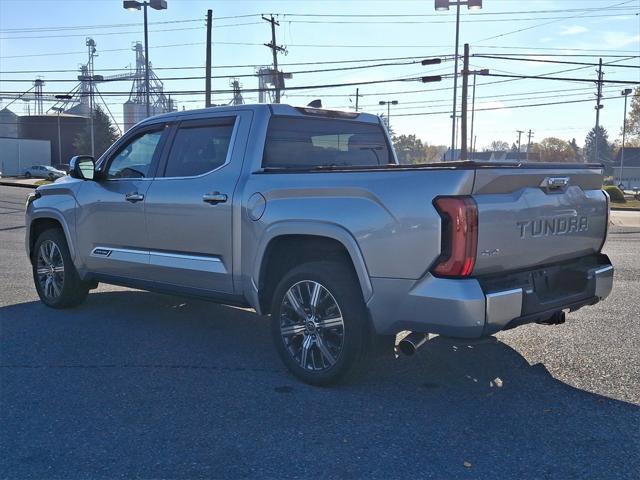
(50, 270)
(311, 325)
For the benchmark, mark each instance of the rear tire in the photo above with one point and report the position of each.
(320, 341)
(56, 278)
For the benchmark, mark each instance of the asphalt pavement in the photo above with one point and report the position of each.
(138, 385)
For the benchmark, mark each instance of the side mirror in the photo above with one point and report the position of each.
(82, 167)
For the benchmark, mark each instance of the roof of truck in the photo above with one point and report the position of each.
(275, 109)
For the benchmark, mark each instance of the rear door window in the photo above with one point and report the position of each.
(294, 142)
(199, 147)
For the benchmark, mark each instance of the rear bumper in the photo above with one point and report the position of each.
(482, 306)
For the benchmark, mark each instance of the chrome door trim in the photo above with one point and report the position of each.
(200, 263)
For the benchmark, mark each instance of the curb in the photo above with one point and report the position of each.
(21, 185)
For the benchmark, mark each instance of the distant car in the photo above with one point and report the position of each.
(44, 171)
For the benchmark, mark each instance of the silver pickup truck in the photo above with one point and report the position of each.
(305, 214)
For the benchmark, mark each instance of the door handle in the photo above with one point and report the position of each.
(214, 198)
(134, 197)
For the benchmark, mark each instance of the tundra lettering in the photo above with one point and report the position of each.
(553, 226)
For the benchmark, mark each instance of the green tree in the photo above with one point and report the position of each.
(498, 146)
(434, 153)
(577, 151)
(409, 149)
(105, 133)
(633, 120)
(605, 152)
(553, 149)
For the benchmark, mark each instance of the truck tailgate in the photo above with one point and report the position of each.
(537, 216)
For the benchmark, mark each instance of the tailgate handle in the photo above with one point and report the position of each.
(554, 183)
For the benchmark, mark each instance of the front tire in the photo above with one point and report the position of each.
(319, 322)
(56, 278)
(27, 175)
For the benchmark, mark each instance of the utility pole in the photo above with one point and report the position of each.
(207, 80)
(473, 113)
(625, 93)
(357, 97)
(274, 49)
(520, 132)
(530, 134)
(146, 62)
(455, 82)
(598, 108)
(91, 45)
(465, 88)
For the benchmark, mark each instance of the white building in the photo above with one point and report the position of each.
(18, 154)
(627, 173)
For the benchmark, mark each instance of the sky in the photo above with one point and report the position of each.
(38, 36)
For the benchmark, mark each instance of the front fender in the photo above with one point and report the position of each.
(53, 214)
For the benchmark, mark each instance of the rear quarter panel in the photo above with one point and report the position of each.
(389, 214)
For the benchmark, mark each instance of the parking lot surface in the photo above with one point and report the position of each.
(135, 384)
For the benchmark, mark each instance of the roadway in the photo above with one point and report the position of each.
(135, 384)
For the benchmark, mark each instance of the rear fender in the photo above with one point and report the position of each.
(318, 229)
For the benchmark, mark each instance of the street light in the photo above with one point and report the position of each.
(625, 93)
(443, 5)
(388, 103)
(132, 5)
(60, 110)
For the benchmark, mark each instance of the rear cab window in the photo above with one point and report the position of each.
(302, 143)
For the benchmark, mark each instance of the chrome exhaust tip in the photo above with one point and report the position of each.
(412, 342)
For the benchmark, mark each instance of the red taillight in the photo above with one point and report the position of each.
(459, 236)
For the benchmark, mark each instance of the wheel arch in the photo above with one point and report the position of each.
(44, 221)
(302, 241)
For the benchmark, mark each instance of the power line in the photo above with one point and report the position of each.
(113, 25)
(496, 57)
(298, 72)
(482, 13)
(520, 97)
(136, 32)
(597, 52)
(548, 23)
(564, 79)
(433, 22)
(251, 90)
(256, 65)
(507, 107)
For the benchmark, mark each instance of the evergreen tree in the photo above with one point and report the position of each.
(577, 153)
(605, 151)
(105, 133)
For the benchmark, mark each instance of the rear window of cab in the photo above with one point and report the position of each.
(294, 142)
